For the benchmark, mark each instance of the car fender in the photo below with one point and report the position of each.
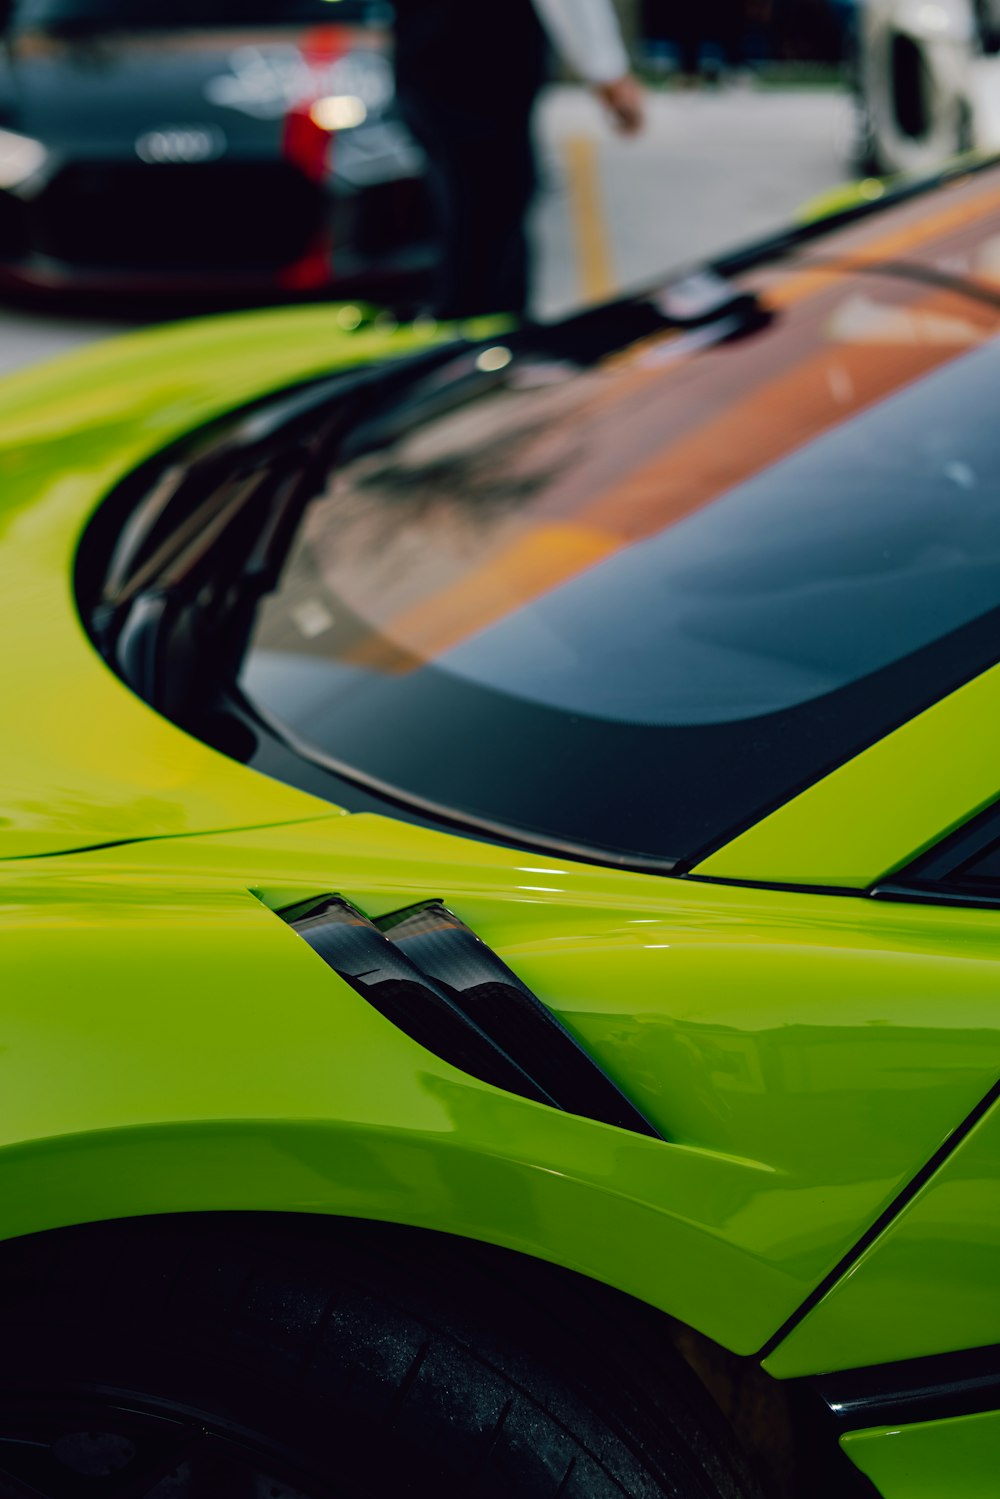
(169, 1044)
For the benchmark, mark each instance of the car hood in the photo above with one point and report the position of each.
(98, 94)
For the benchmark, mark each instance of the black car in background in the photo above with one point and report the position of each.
(205, 145)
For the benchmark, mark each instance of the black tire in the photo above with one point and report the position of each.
(336, 1359)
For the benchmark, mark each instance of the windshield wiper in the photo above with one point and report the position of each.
(207, 539)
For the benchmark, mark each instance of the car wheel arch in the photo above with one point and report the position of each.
(761, 1417)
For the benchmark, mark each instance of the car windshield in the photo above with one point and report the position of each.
(98, 15)
(631, 608)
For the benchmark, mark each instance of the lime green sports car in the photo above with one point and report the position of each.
(500, 893)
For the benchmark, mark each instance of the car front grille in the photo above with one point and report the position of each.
(390, 215)
(232, 215)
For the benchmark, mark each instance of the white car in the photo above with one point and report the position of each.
(928, 81)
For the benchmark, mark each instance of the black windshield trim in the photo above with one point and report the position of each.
(973, 645)
(775, 247)
(446, 817)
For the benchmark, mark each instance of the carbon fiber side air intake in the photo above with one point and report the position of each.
(494, 999)
(383, 975)
(432, 977)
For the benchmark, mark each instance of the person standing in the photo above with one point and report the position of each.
(467, 78)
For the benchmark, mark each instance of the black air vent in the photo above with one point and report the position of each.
(495, 999)
(431, 976)
(388, 980)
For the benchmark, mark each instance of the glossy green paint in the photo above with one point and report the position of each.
(168, 1044)
(929, 1282)
(957, 1459)
(892, 802)
(844, 198)
(83, 761)
(864, 191)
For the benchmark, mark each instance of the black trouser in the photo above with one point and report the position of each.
(481, 174)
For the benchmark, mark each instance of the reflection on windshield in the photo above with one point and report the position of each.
(687, 585)
(539, 541)
(878, 538)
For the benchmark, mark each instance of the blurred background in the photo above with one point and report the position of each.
(163, 157)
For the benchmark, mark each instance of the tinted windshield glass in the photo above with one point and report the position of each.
(131, 14)
(875, 540)
(632, 608)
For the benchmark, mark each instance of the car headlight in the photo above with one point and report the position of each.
(20, 158)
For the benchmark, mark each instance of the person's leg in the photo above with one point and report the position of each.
(424, 125)
(481, 174)
(499, 179)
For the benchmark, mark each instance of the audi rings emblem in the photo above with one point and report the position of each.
(181, 143)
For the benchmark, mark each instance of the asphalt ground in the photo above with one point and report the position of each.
(715, 167)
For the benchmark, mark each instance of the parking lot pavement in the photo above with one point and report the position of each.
(714, 168)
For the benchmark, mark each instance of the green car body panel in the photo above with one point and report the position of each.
(930, 1459)
(793, 1049)
(168, 1044)
(925, 1285)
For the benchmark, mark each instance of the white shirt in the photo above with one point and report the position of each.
(587, 36)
